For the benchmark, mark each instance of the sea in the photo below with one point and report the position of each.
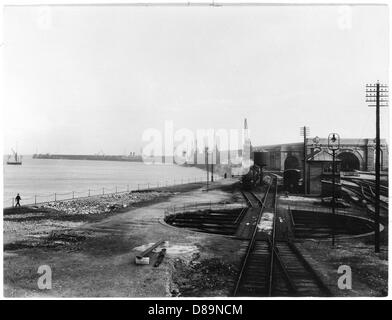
(42, 180)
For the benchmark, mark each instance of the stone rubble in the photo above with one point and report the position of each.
(102, 204)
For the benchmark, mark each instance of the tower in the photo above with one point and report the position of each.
(246, 150)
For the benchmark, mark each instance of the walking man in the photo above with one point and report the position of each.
(18, 198)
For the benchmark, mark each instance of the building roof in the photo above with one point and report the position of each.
(322, 155)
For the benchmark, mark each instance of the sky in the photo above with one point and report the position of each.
(89, 79)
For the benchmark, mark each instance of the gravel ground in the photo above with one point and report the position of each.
(93, 255)
(103, 204)
(369, 269)
(31, 223)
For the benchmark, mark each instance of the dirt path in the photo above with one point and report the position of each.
(97, 259)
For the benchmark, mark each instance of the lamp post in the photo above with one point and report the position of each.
(333, 145)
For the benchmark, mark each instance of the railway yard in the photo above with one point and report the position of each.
(272, 265)
(197, 158)
(236, 242)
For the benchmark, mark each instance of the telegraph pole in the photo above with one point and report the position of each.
(304, 132)
(377, 96)
(333, 197)
(212, 166)
(206, 157)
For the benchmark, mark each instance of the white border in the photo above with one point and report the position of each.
(176, 3)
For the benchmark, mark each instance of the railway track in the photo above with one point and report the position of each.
(298, 278)
(366, 191)
(369, 194)
(275, 268)
(252, 199)
(254, 266)
(383, 189)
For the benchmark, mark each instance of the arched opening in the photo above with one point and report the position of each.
(291, 162)
(350, 162)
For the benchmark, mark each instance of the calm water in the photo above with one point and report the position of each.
(44, 177)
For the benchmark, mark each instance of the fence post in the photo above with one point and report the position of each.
(35, 199)
(55, 197)
(88, 192)
(73, 194)
(103, 190)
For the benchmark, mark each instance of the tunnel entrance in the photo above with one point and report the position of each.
(349, 160)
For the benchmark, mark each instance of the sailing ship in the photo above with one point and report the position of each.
(14, 159)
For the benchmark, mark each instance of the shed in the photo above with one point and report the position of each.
(320, 169)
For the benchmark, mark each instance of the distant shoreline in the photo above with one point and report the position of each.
(89, 157)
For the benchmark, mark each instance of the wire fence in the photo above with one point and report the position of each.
(71, 195)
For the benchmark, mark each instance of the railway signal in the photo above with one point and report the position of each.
(333, 145)
(304, 131)
(316, 144)
(377, 96)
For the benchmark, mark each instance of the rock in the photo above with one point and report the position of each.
(175, 292)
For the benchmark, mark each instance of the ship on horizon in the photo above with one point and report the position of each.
(14, 159)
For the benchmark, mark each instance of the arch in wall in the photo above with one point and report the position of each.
(350, 161)
(291, 162)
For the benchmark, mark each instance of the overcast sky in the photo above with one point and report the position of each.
(86, 79)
